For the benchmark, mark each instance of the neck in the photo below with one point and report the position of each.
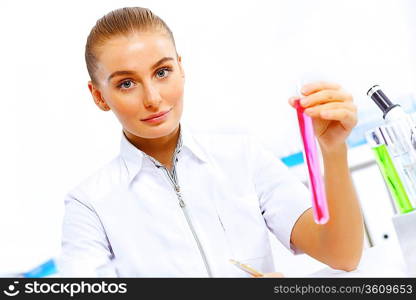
(159, 148)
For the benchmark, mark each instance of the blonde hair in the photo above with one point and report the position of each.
(122, 21)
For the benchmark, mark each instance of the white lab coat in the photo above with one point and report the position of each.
(128, 211)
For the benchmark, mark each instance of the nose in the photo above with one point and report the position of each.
(152, 97)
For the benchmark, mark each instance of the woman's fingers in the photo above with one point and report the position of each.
(326, 96)
(292, 100)
(344, 112)
(321, 92)
(316, 110)
(347, 118)
(317, 86)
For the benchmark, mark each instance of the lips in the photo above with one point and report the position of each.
(156, 115)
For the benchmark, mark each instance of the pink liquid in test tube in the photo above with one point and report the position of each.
(316, 184)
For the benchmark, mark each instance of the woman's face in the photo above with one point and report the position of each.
(138, 76)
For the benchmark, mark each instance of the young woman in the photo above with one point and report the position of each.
(179, 204)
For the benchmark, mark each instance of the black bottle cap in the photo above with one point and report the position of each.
(382, 101)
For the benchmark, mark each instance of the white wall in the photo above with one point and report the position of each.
(238, 55)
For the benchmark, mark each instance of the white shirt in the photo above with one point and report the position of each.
(129, 213)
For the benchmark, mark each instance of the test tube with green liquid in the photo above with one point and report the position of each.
(397, 136)
(388, 170)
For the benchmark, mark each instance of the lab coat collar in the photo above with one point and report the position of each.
(133, 157)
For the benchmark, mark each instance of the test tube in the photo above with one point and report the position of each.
(316, 184)
(377, 142)
(397, 136)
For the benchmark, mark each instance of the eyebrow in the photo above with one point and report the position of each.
(119, 73)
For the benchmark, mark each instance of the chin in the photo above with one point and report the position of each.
(158, 131)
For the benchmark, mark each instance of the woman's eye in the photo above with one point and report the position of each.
(126, 84)
(163, 71)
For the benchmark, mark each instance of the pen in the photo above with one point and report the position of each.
(246, 268)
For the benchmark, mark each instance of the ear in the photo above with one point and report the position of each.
(180, 65)
(96, 95)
